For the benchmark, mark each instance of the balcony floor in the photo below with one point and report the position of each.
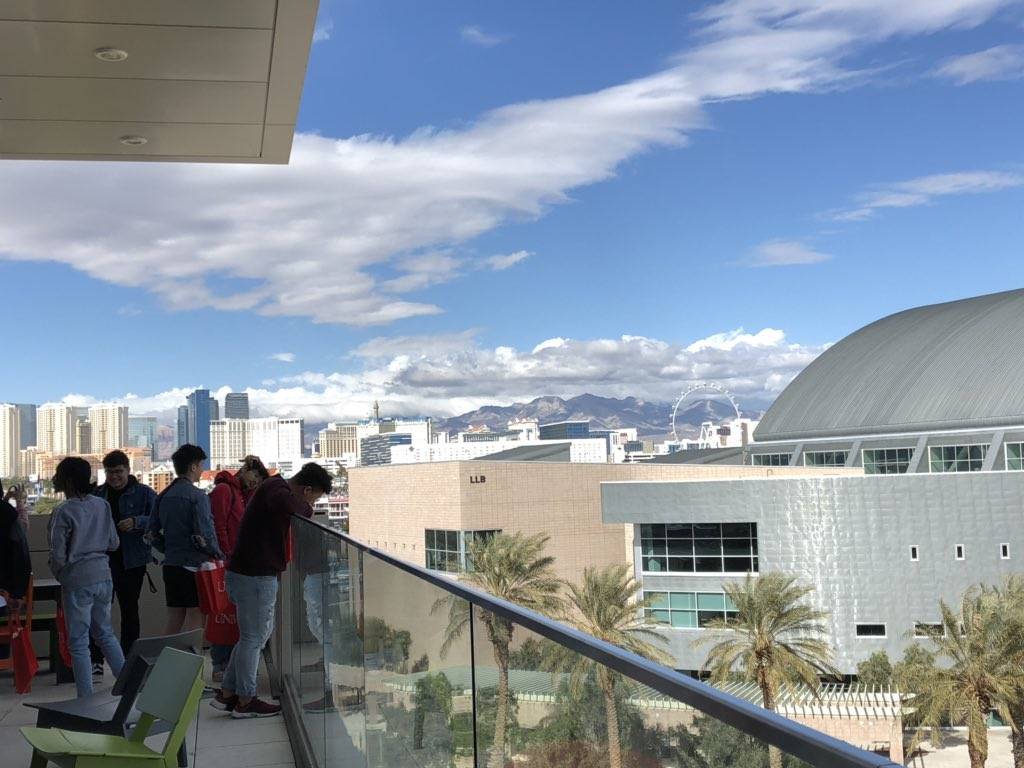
(222, 743)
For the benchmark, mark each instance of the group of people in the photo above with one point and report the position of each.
(103, 537)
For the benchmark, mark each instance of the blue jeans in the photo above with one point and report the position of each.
(87, 612)
(220, 655)
(254, 598)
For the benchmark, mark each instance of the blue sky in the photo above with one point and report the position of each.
(878, 148)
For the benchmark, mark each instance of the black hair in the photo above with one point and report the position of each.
(315, 476)
(73, 476)
(255, 463)
(186, 456)
(116, 458)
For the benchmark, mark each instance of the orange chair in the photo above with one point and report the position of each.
(7, 628)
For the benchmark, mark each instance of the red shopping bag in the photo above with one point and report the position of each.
(213, 592)
(222, 628)
(62, 635)
(25, 663)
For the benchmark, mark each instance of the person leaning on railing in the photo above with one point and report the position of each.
(256, 564)
(15, 564)
(17, 492)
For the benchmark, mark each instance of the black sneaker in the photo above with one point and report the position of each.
(255, 708)
(224, 703)
(97, 669)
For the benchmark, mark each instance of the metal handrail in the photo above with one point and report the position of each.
(798, 740)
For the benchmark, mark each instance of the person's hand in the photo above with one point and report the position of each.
(17, 492)
(126, 525)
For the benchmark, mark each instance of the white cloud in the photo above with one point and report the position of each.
(129, 310)
(1000, 62)
(283, 357)
(345, 231)
(785, 253)
(925, 189)
(451, 373)
(473, 34)
(500, 263)
(323, 31)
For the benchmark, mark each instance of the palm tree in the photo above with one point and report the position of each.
(1010, 607)
(973, 680)
(776, 640)
(513, 568)
(605, 606)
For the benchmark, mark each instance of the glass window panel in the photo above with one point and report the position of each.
(729, 604)
(705, 617)
(707, 547)
(711, 601)
(452, 544)
(707, 531)
(735, 530)
(683, 601)
(652, 565)
(662, 617)
(681, 564)
(680, 547)
(736, 547)
(738, 564)
(754, 566)
(658, 531)
(657, 599)
(679, 531)
(645, 531)
(684, 619)
(708, 564)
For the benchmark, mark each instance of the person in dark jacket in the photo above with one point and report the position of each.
(15, 565)
(231, 492)
(256, 564)
(131, 505)
(181, 527)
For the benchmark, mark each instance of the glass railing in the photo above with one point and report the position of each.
(381, 663)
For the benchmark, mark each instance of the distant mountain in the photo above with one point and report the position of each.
(649, 418)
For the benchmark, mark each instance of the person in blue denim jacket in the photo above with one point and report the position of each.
(181, 527)
(131, 505)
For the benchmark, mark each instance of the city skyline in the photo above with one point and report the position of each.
(674, 222)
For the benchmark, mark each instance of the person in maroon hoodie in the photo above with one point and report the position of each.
(231, 492)
(256, 564)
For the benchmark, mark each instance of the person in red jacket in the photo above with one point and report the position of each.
(228, 499)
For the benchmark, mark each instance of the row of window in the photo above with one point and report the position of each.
(449, 551)
(921, 630)
(959, 552)
(687, 610)
(699, 548)
(896, 461)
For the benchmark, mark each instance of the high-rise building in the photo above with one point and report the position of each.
(142, 432)
(109, 427)
(273, 439)
(565, 430)
(214, 408)
(10, 439)
(375, 450)
(83, 436)
(236, 405)
(182, 424)
(27, 462)
(27, 423)
(55, 428)
(338, 440)
(199, 420)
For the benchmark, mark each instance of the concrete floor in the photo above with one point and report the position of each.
(221, 743)
(952, 753)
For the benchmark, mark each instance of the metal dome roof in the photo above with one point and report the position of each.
(945, 366)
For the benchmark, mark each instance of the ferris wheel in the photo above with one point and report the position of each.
(716, 392)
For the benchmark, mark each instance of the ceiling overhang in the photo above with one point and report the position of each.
(203, 80)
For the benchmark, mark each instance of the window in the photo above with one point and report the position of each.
(699, 548)
(887, 461)
(924, 629)
(959, 552)
(1015, 456)
(1004, 551)
(771, 459)
(687, 610)
(913, 553)
(956, 458)
(825, 458)
(871, 630)
(448, 551)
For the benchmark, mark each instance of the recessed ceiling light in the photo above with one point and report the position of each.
(110, 54)
(134, 141)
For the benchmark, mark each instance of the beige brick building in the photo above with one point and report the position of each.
(392, 507)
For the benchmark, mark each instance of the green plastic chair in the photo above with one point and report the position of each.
(171, 693)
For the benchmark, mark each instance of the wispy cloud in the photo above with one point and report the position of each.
(129, 310)
(1000, 62)
(323, 30)
(283, 357)
(473, 34)
(345, 211)
(784, 253)
(503, 262)
(924, 190)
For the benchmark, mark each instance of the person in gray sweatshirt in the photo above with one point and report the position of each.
(81, 532)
